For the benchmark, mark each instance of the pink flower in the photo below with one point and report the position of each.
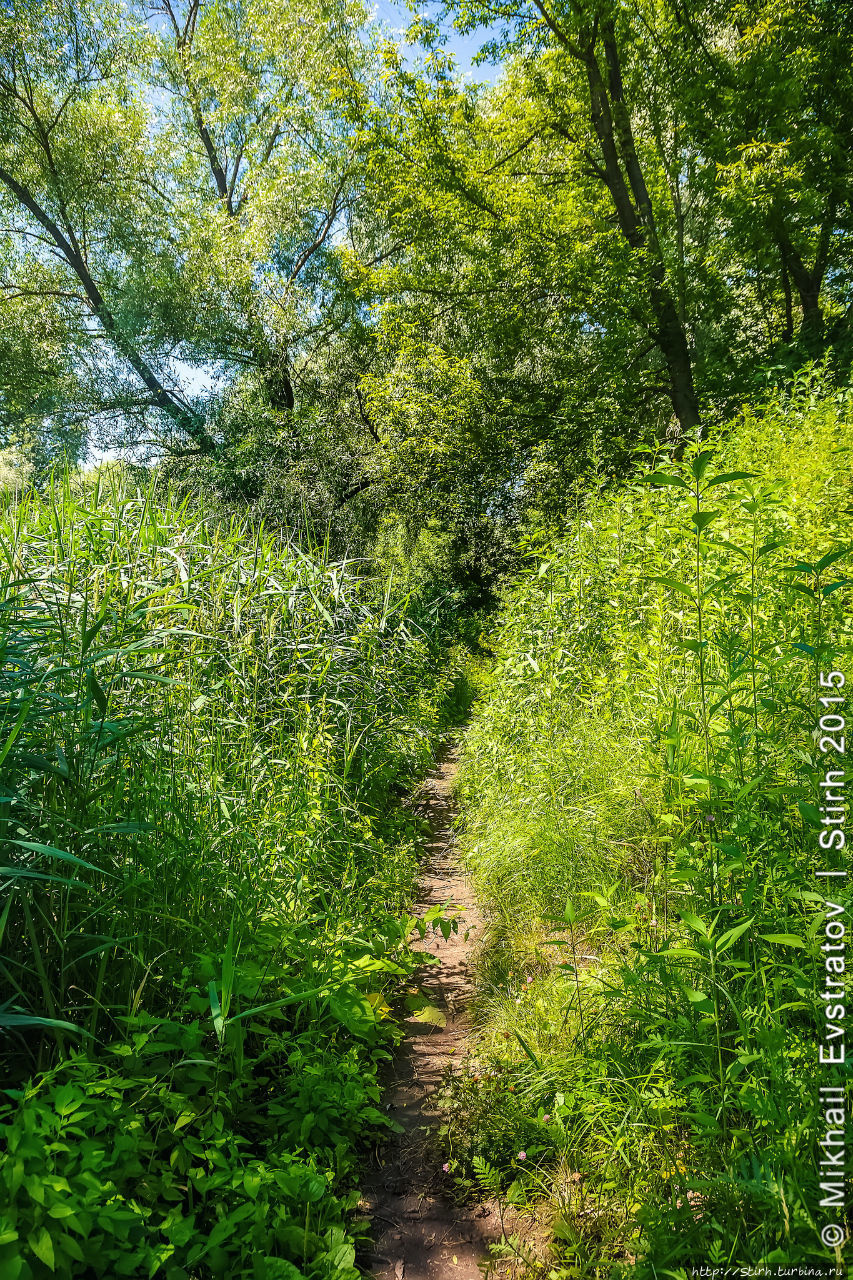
(545, 1119)
(446, 1168)
(522, 1155)
(529, 979)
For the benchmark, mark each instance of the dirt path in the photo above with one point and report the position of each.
(419, 1233)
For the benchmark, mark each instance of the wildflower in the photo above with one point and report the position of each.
(545, 1119)
(446, 1168)
(522, 1155)
(529, 979)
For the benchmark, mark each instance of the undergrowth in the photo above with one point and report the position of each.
(205, 738)
(639, 786)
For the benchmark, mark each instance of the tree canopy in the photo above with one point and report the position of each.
(256, 240)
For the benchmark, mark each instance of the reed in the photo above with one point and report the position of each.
(205, 733)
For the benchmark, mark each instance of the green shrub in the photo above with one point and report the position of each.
(144, 1173)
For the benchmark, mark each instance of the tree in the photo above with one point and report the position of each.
(174, 186)
(771, 111)
(580, 81)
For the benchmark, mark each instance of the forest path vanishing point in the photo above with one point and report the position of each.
(419, 1233)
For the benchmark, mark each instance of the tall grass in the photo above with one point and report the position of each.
(639, 783)
(204, 735)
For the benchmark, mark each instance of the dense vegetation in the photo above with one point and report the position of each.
(206, 886)
(318, 359)
(639, 784)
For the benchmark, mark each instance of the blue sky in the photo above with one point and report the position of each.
(395, 15)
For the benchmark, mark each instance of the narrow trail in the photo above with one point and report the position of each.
(419, 1233)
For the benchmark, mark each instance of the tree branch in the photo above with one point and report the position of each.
(163, 399)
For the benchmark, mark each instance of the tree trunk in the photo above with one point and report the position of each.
(626, 183)
(672, 341)
(808, 281)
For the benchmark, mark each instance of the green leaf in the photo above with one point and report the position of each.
(783, 939)
(89, 635)
(351, 1009)
(660, 477)
(747, 787)
(421, 1010)
(730, 937)
(526, 1047)
(674, 585)
(16, 729)
(60, 1210)
(704, 1121)
(42, 1246)
(682, 954)
(50, 852)
(67, 1099)
(97, 695)
(32, 1020)
(216, 1011)
(228, 960)
(693, 922)
(702, 519)
(728, 476)
(22, 873)
(699, 465)
(830, 558)
(810, 814)
(271, 1006)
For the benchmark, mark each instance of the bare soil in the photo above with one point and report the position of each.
(419, 1232)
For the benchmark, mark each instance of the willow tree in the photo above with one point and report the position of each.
(171, 182)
